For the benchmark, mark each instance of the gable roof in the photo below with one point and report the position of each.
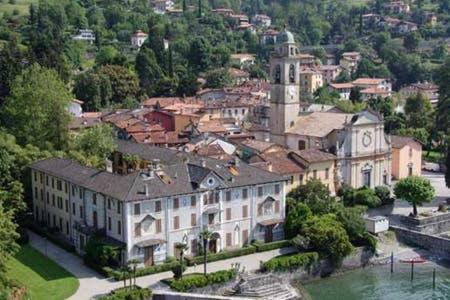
(319, 124)
(398, 141)
(314, 155)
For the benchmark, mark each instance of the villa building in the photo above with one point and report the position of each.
(161, 198)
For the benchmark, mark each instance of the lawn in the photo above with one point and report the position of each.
(43, 278)
(22, 6)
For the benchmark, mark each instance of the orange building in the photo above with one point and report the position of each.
(406, 157)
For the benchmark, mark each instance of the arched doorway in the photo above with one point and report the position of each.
(213, 245)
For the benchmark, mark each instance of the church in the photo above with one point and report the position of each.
(358, 140)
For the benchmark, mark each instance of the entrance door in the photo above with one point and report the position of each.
(148, 256)
(212, 246)
(268, 237)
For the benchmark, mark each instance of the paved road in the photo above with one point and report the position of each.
(92, 284)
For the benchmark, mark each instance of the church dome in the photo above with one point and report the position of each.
(285, 37)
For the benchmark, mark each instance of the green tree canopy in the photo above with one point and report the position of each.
(416, 190)
(96, 141)
(298, 214)
(37, 110)
(315, 195)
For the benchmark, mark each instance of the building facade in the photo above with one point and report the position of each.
(406, 157)
(159, 200)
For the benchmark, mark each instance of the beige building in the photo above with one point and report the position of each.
(350, 60)
(330, 73)
(242, 59)
(406, 157)
(310, 81)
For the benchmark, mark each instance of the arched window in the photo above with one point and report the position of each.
(292, 74)
(277, 74)
(301, 145)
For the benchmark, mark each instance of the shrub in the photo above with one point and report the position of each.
(290, 262)
(367, 197)
(221, 255)
(384, 194)
(370, 242)
(136, 293)
(178, 271)
(199, 280)
(118, 275)
(100, 254)
(51, 237)
(260, 247)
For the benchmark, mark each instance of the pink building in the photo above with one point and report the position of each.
(406, 157)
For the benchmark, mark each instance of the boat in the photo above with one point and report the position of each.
(416, 260)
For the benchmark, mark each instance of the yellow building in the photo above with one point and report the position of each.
(406, 157)
(310, 80)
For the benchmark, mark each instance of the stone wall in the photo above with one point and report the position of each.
(435, 244)
(165, 295)
(435, 224)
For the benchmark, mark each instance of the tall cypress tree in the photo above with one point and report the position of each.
(447, 164)
(184, 6)
(199, 8)
(170, 62)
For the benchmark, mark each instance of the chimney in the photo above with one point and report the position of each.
(146, 189)
(269, 167)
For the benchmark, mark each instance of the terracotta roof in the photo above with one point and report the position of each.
(140, 33)
(399, 142)
(259, 146)
(314, 155)
(158, 138)
(233, 72)
(338, 86)
(270, 32)
(319, 124)
(368, 81)
(163, 101)
(280, 163)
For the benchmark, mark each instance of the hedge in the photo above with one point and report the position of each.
(118, 275)
(260, 247)
(136, 293)
(199, 280)
(66, 245)
(221, 255)
(290, 262)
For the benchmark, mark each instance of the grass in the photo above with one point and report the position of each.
(432, 156)
(43, 278)
(22, 6)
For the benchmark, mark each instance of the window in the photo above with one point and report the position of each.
(228, 214)
(292, 71)
(228, 195)
(59, 185)
(291, 180)
(109, 203)
(67, 205)
(119, 207)
(277, 74)
(245, 236)
(327, 173)
(176, 203)
(301, 178)
(119, 227)
(244, 193)
(67, 227)
(81, 211)
(245, 211)
(137, 229)
(73, 191)
(277, 189)
(157, 206)
(109, 223)
(228, 239)
(205, 199)
(94, 198)
(260, 209)
(260, 191)
(94, 219)
(66, 187)
(53, 200)
(410, 171)
(41, 177)
(385, 179)
(277, 206)
(73, 209)
(36, 193)
(48, 198)
(315, 174)
(366, 178)
(46, 180)
(158, 226)
(301, 145)
(54, 221)
(193, 201)
(193, 220)
(60, 224)
(410, 152)
(176, 222)
(137, 209)
(35, 175)
(217, 197)
(211, 219)
(81, 193)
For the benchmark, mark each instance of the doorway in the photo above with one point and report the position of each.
(148, 256)
(268, 236)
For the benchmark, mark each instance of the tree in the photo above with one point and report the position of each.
(199, 13)
(415, 190)
(447, 164)
(443, 106)
(184, 6)
(10, 66)
(8, 237)
(217, 78)
(353, 222)
(355, 95)
(315, 195)
(148, 70)
(327, 236)
(295, 219)
(412, 40)
(420, 134)
(419, 111)
(205, 235)
(124, 84)
(96, 141)
(182, 247)
(107, 55)
(199, 54)
(37, 110)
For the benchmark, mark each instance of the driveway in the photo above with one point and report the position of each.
(93, 285)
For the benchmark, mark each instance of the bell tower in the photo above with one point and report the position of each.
(285, 86)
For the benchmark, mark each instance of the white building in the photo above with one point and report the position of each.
(138, 38)
(75, 107)
(262, 20)
(161, 6)
(85, 35)
(172, 200)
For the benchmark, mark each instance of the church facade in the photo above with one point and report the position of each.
(362, 149)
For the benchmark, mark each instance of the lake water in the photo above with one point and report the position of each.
(377, 283)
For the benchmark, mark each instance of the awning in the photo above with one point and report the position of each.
(270, 222)
(150, 242)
